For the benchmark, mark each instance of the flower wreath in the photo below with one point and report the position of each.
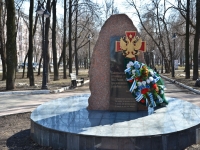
(145, 84)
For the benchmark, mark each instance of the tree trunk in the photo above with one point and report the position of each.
(55, 64)
(11, 45)
(24, 66)
(40, 62)
(172, 60)
(187, 53)
(196, 43)
(64, 41)
(60, 59)
(75, 42)
(47, 25)
(30, 52)
(70, 37)
(2, 44)
(167, 66)
(4, 66)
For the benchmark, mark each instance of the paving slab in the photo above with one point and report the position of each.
(12, 104)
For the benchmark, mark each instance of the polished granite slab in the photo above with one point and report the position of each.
(70, 115)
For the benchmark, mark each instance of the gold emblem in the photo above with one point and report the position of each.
(130, 44)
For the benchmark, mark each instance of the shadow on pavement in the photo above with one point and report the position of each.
(23, 141)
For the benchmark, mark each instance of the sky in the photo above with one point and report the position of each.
(123, 8)
(120, 4)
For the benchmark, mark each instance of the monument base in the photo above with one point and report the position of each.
(66, 123)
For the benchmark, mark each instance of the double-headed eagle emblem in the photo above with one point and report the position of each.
(130, 44)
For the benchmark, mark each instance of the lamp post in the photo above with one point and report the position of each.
(148, 59)
(153, 59)
(89, 38)
(172, 55)
(44, 14)
(161, 63)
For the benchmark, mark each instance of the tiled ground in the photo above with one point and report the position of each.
(70, 115)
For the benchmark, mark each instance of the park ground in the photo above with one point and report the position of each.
(22, 83)
(15, 129)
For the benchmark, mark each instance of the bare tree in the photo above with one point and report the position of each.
(83, 28)
(187, 59)
(196, 43)
(155, 24)
(188, 11)
(64, 40)
(54, 49)
(30, 51)
(47, 26)
(11, 45)
(109, 8)
(70, 36)
(75, 42)
(2, 39)
(184, 10)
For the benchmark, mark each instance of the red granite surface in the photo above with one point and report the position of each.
(99, 72)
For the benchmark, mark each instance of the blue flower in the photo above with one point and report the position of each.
(137, 65)
(148, 86)
(137, 72)
(137, 93)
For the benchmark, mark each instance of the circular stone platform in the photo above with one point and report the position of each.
(66, 123)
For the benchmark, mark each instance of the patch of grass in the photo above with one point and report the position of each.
(23, 83)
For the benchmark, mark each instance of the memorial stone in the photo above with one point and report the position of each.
(108, 85)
